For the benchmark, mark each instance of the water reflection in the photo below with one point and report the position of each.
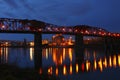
(71, 70)
(61, 61)
(87, 66)
(64, 70)
(4, 55)
(100, 65)
(110, 61)
(59, 56)
(119, 60)
(95, 64)
(65, 64)
(114, 61)
(21, 57)
(77, 68)
(105, 62)
(31, 53)
(56, 71)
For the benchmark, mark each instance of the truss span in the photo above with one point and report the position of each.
(8, 25)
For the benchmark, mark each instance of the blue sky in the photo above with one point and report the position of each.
(101, 13)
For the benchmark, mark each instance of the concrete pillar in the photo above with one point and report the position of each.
(38, 50)
(115, 43)
(79, 48)
(108, 43)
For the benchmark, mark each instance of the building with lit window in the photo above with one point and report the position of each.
(58, 39)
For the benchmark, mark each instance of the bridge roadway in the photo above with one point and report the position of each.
(38, 28)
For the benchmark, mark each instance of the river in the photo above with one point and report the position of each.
(61, 62)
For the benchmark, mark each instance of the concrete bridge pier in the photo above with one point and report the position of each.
(37, 51)
(79, 48)
(108, 45)
(115, 43)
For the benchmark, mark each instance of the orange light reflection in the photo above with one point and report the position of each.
(114, 61)
(110, 61)
(46, 53)
(105, 62)
(61, 59)
(64, 70)
(56, 71)
(95, 64)
(50, 70)
(119, 60)
(77, 68)
(100, 65)
(70, 68)
(87, 65)
(63, 53)
(70, 54)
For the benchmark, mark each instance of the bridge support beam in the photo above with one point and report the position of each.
(79, 48)
(108, 45)
(38, 51)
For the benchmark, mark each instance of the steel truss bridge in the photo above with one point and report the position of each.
(38, 28)
(9, 25)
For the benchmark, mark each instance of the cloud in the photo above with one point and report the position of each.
(67, 12)
(27, 5)
(11, 3)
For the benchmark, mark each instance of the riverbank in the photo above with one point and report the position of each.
(8, 72)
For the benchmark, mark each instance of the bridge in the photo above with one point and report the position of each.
(33, 26)
(9, 25)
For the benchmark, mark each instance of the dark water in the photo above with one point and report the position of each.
(61, 62)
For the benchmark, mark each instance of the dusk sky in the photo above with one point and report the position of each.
(98, 13)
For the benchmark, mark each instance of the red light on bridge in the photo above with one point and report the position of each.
(3, 26)
(70, 30)
(82, 32)
(118, 34)
(49, 28)
(100, 33)
(94, 32)
(86, 32)
(114, 34)
(105, 33)
(109, 33)
(63, 29)
(56, 29)
(39, 29)
(76, 30)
